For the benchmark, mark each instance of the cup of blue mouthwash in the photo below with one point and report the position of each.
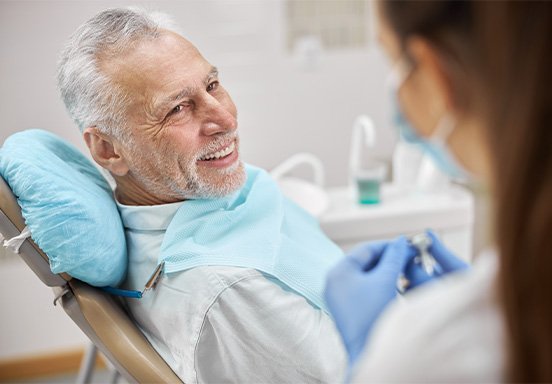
(368, 182)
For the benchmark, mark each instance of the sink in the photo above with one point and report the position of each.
(307, 195)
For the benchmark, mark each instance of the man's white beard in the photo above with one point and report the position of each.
(187, 183)
(197, 188)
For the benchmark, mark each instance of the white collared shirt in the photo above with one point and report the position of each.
(226, 324)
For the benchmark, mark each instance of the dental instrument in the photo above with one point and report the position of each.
(422, 242)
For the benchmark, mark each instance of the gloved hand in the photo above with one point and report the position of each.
(447, 261)
(359, 288)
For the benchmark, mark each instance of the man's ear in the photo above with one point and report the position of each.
(105, 152)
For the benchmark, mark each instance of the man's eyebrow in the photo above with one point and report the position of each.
(188, 90)
(212, 73)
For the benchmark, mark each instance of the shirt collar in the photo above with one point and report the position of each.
(148, 217)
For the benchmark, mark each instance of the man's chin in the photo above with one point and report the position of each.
(223, 182)
(234, 179)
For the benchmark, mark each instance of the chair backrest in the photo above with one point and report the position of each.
(99, 315)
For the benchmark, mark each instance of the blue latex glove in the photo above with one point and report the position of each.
(447, 261)
(360, 287)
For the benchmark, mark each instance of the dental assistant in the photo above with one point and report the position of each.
(471, 81)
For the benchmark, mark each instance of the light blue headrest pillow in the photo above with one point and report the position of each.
(67, 205)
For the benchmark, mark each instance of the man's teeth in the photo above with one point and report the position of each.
(222, 153)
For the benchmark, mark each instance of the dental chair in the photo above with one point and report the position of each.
(100, 316)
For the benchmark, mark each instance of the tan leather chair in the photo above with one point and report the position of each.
(100, 316)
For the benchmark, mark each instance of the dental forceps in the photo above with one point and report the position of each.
(421, 242)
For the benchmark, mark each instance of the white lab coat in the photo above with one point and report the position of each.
(450, 331)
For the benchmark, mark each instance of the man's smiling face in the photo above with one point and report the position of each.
(181, 122)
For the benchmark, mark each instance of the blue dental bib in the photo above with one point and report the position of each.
(256, 227)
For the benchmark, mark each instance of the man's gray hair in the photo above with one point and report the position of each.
(90, 96)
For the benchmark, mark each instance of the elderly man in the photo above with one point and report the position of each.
(154, 114)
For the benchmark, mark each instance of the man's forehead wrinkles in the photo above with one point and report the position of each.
(186, 92)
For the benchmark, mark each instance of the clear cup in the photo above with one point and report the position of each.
(367, 182)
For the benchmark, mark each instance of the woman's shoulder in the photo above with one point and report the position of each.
(450, 330)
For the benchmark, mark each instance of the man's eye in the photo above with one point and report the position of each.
(179, 108)
(212, 86)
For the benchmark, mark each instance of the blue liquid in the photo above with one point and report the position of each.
(368, 191)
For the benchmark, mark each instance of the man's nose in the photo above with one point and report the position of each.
(218, 118)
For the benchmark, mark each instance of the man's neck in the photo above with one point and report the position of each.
(129, 192)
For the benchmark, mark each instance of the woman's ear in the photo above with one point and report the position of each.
(105, 151)
(432, 77)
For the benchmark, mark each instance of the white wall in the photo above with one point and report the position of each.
(282, 110)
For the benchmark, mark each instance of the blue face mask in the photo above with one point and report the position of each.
(435, 145)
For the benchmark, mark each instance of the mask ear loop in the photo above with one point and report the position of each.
(440, 137)
(399, 73)
(445, 126)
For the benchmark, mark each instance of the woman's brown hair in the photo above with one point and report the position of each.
(501, 66)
